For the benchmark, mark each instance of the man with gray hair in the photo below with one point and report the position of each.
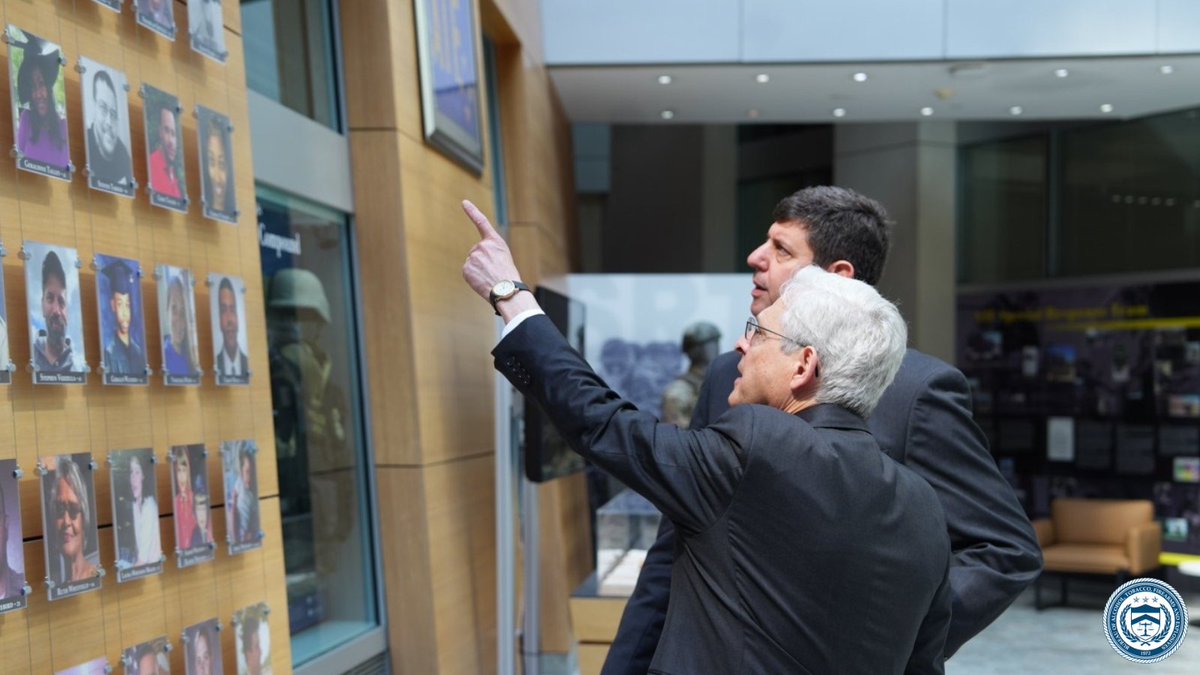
(801, 547)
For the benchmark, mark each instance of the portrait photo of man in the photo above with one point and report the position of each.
(55, 318)
(122, 320)
(12, 551)
(147, 658)
(229, 339)
(206, 27)
(39, 99)
(253, 640)
(190, 502)
(177, 323)
(239, 462)
(158, 16)
(135, 513)
(69, 518)
(6, 365)
(216, 166)
(106, 113)
(168, 185)
(202, 649)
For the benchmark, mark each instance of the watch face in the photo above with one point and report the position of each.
(503, 289)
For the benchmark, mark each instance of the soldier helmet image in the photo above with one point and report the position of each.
(699, 333)
(299, 289)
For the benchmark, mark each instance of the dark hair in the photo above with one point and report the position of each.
(52, 267)
(226, 285)
(103, 76)
(841, 225)
(215, 128)
(49, 64)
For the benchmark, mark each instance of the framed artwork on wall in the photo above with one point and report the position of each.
(448, 55)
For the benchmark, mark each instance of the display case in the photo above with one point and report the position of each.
(626, 527)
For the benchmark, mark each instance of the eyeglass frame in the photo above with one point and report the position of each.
(753, 328)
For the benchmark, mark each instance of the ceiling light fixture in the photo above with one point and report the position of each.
(1166, 70)
(1062, 72)
(1106, 108)
(927, 111)
(762, 78)
(1016, 110)
(667, 114)
(860, 77)
(839, 112)
(664, 79)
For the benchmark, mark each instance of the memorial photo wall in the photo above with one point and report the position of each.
(101, 192)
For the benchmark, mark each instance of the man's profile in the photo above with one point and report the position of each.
(110, 166)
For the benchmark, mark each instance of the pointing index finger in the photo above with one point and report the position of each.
(486, 231)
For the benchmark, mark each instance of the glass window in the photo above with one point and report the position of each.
(301, 74)
(1127, 189)
(1002, 233)
(319, 437)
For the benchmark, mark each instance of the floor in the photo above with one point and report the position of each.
(1066, 640)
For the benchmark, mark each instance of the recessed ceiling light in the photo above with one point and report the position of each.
(927, 111)
(1166, 70)
(762, 78)
(1106, 108)
(664, 79)
(860, 77)
(667, 114)
(752, 113)
(1062, 72)
(839, 112)
(1016, 110)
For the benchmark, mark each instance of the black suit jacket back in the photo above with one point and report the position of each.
(801, 547)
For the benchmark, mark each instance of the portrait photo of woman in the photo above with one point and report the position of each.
(69, 511)
(135, 509)
(39, 104)
(216, 166)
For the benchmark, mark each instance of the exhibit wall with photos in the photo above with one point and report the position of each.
(117, 210)
(1091, 391)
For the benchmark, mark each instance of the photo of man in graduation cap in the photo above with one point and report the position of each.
(122, 327)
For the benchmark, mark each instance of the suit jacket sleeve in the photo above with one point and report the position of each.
(689, 475)
(995, 551)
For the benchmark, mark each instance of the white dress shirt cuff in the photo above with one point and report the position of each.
(516, 321)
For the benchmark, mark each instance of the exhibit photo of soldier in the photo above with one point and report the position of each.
(253, 639)
(12, 549)
(122, 320)
(135, 513)
(701, 344)
(228, 311)
(69, 521)
(106, 115)
(206, 27)
(164, 150)
(216, 166)
(202, 649)
(39, 100)
(191, 505)
(177, 324)
(6, 364)
(239, 465)
(55, 316)
(147, 658)
(158, 16)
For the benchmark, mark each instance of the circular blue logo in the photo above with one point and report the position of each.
(1145, 620)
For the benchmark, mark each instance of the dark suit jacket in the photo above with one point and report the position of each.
(923, 420)
(801, 547)
(243, 362)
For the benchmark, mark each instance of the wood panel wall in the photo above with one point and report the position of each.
(46, 420)
(430, 376)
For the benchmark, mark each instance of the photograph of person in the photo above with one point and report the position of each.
(168, 184)
(158, 16)
(69, 519)
(202, 649)
(55, 316)
(177, 323)
(39, 99)
(106, 115)
(148, 658)
(229, 340)
(239, 465)
(253, 640)
(122, 320)
(12, 550)
(189, 494)
(206, 26)
(216, 166)
(114, 5)
(6, 365)
(135, 513)
(94, 667)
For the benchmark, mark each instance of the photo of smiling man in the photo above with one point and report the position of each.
(229, 340)
(55, 317)
(164, 150)
(69, 519)
(106, 112)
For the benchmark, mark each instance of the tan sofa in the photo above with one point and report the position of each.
(1098, 536)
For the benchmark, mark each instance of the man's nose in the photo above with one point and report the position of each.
(757, 258)
(743, 345)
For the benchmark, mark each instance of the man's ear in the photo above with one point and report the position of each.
(804, 373)
(843, 268)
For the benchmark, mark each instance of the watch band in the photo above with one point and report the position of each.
(495, 297)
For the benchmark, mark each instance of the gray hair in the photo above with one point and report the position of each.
(68, 470)
(859, 336)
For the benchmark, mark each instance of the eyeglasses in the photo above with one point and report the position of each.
(70, 509)
(754, 329)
